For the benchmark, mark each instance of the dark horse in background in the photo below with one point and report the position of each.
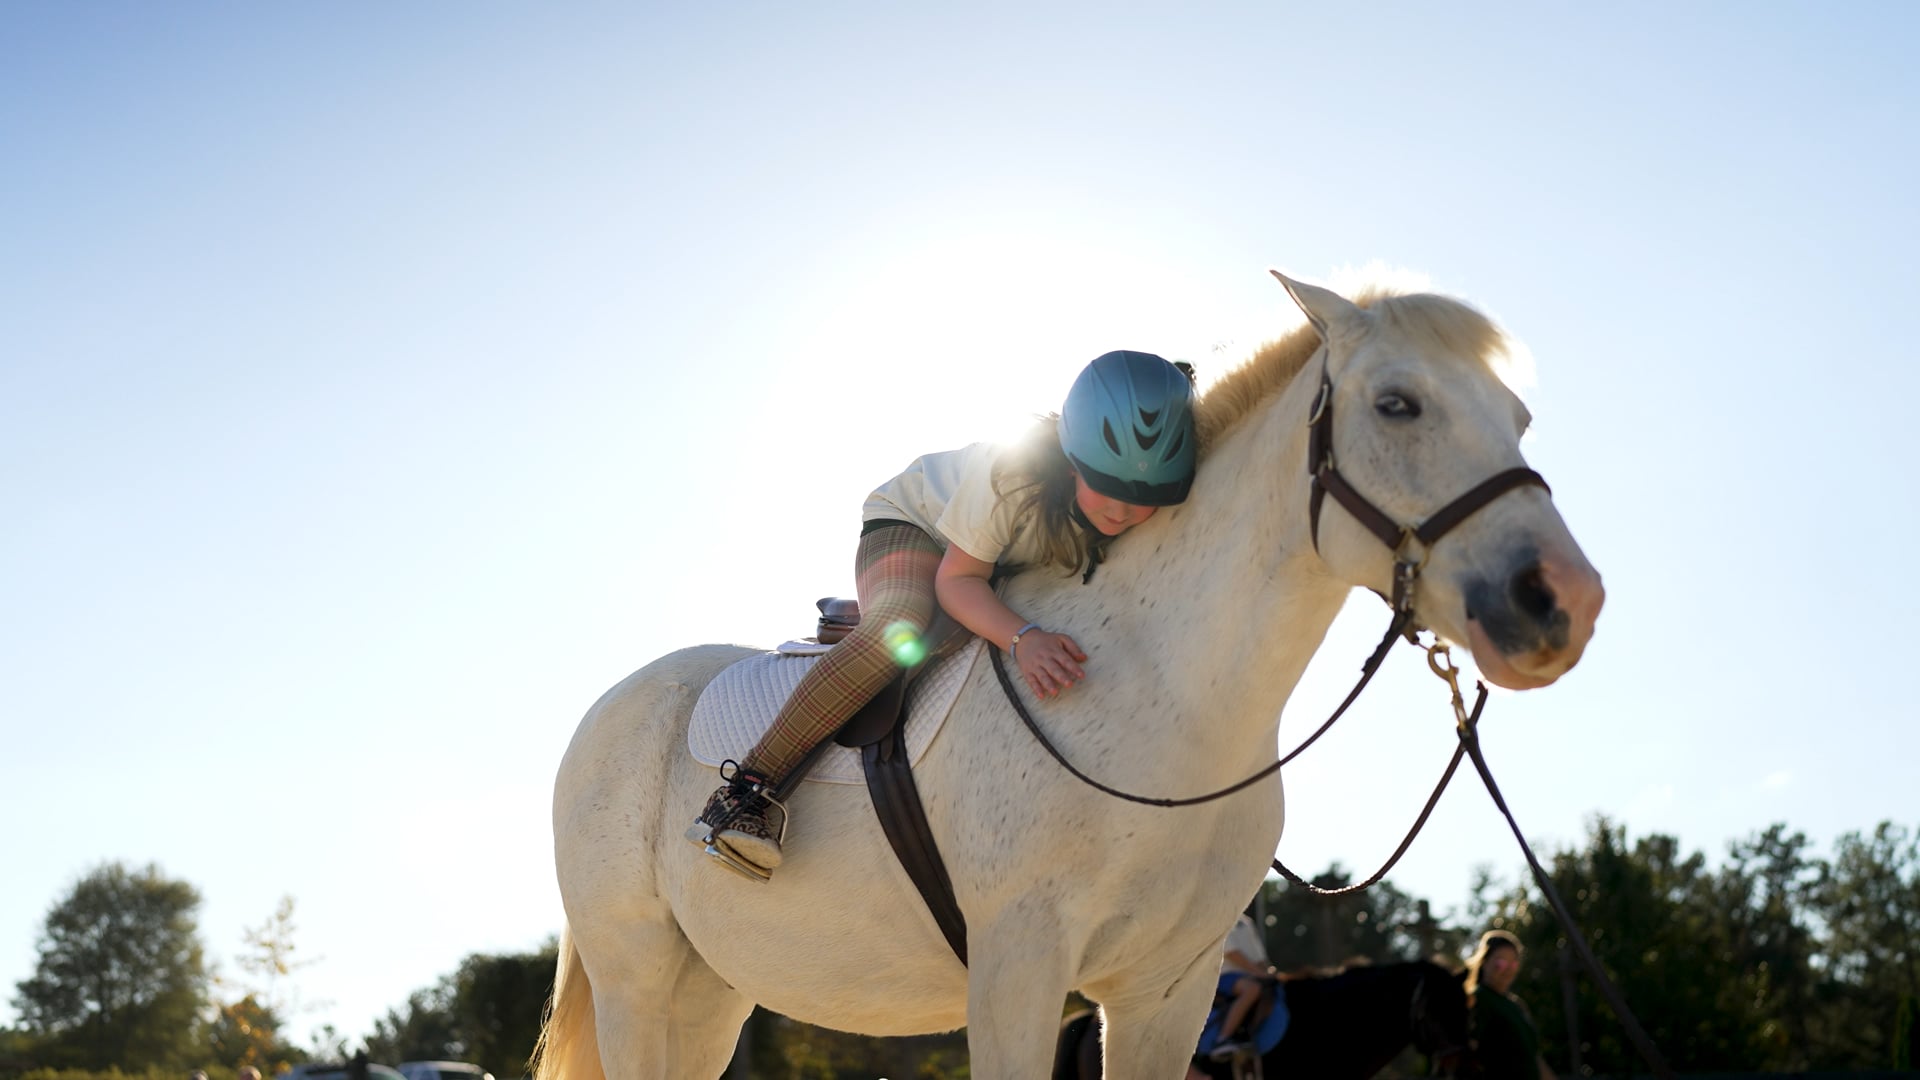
(1348, 1025)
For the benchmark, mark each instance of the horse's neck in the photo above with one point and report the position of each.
(1361, 1018)
(1241, 597)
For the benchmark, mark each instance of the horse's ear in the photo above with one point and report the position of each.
(1328, 311)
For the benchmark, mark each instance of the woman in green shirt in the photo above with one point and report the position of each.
(1506, 1044)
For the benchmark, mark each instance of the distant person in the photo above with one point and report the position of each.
(1506, 1042)
(1245, 974)
(247, 1072)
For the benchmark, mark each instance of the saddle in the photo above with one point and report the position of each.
(878, 731)
(1266, 1025)
(838, 616)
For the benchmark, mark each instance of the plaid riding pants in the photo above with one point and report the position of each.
(893, 572)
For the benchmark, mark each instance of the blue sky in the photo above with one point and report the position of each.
(378, 384)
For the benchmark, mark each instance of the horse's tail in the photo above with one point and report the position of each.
(1068, 1059)
(569, 1048)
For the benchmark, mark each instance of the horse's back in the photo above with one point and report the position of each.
(631, 721)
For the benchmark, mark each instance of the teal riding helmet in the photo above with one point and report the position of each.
(1127, 427)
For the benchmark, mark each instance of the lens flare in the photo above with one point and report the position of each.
(903, 641)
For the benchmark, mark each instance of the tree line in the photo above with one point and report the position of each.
(1773, 959)
(121, 983)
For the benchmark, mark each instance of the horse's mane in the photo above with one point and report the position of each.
(1441, 320)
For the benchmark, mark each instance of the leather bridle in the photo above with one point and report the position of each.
(1399, 539)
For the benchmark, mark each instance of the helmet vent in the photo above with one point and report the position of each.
(1106, 432)
(1147, 418)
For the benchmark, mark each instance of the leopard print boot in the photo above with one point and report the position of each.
(743, 821)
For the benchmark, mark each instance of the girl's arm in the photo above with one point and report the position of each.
(1049, 662)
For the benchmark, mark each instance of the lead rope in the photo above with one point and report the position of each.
(1467, 726)
(1436, 655)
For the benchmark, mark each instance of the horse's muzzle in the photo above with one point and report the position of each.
(1529, 626)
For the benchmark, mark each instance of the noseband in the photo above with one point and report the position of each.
(1400, 539)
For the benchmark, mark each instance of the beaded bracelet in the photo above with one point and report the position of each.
(1013, 647)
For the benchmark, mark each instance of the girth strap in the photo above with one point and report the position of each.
(896, 801)
(879, 731)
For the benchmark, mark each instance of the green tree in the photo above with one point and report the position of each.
(329, 1044)
(120, 980)
(488, 1011)
(497, 1006)
(268, 955)
(246, 1032)
(1764, 891)
(1869, 899)
(1378, 925)
(1905, 1030)
(1654, 919)
(786, 1049)
(423, 1028)
(15, 1050)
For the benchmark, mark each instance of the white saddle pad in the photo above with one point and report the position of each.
(739, 705)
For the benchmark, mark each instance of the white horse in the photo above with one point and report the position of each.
(1198, 625)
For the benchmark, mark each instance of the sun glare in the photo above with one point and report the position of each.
(989, 326)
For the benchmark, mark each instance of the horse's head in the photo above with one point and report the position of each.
(1438, 1016)
(1428, 435)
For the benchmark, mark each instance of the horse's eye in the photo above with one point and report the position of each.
(1396, 406)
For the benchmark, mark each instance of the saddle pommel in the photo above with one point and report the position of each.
(838, 616)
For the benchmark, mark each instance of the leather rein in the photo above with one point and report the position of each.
(1404, 541)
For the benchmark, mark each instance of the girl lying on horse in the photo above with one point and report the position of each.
(1122, 446)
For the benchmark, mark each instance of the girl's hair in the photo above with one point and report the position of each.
(1034, 473)
(1490, 942)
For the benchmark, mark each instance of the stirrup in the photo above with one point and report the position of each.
(705, 836)
(700, 835)
(734, 863)
(1229, 1049)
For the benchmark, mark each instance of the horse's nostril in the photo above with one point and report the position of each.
(1531, 595)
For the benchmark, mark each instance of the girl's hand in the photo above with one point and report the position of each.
(1049, 662)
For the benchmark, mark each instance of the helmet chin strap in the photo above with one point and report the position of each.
(1097, 541)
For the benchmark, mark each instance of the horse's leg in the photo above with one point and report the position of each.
(707, 1017)
(1152, 1034)
(662, 1012)
(1016, 980)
